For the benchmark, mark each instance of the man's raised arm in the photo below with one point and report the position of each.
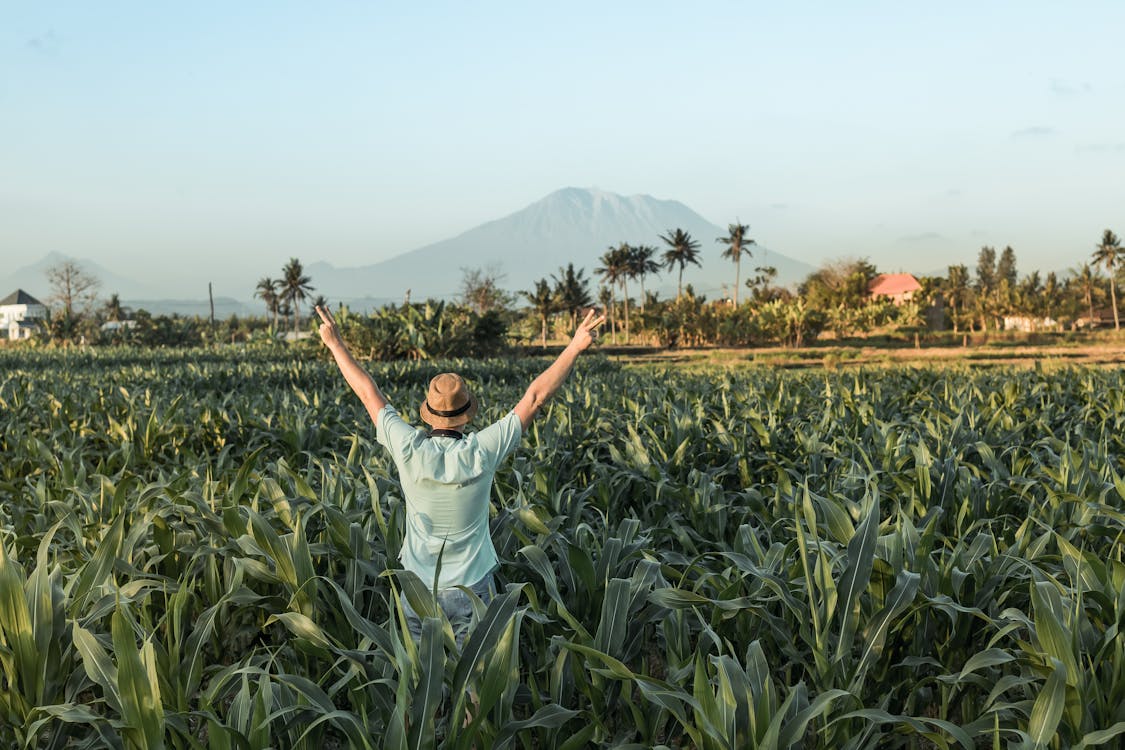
(544, 386)
(360, 382)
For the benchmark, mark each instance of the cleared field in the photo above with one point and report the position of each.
(199, 551)
(1006, 353)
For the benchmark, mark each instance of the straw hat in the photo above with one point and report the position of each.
(448, 403)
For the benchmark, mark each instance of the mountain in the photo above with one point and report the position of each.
(569, 225)
(224, 307)
(33, 278)
(572, 225)
(134, 295)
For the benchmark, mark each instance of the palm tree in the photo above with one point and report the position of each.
(545, 302)
(737, 243)
(640, 265)
(572, 290)
(1086, 285)
(1051, 294)
(267, 291)
(1109, 254)
(295, 287)
(682, 249)
(957, 287)
(614, 270)
(605, 296)
(1029, 295)
(113, 310)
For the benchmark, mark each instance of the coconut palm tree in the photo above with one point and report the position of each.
(1109, 254)
(682, 249)
(545, 303)
(267, 291)
(1087, 285)
(572, 290)
(605, 297)
(295, 287)
(1051, 293)
(641, 264)
(614, 270)
(113, 309)
(737, 243)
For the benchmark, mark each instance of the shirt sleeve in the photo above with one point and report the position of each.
(501, 438)
(392, 432)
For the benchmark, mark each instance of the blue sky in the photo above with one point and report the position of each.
(146, 136)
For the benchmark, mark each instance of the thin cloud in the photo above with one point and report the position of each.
(1060, 87)
(1034, 132)
(779, 206)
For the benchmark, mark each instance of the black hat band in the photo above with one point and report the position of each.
(453, 413)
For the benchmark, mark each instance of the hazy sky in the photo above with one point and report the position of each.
(242, 133)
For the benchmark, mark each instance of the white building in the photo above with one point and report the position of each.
(118, 326)
(20, 314)
(1028, 324)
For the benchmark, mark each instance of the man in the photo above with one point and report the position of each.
(446, 474)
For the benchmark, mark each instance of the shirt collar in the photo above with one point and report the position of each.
(437, 432)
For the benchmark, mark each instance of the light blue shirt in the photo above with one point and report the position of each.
(447, 482)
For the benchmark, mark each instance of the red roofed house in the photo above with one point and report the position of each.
(900, 287)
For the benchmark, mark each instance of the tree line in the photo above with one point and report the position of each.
(833, 298)
(486, 317)
(78, 316)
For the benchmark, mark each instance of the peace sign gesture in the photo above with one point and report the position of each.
(587, 330)
(329, 333)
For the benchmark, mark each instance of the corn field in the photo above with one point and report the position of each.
(199, 550)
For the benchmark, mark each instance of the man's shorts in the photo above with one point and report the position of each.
(457, 606)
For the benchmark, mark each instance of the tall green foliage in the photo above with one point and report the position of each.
(200, 551)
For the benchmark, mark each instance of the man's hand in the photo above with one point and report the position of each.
(329, 333)
(586, 332)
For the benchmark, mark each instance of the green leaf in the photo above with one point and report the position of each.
(427, 696)
(875, 634)
(1053, 636)
(140, 704)
(303, 627)
(98, 665)
(1101, 736)
(1048, 707)
(481, 642)
(98, 569)
(550, 716)
(861, 559)
(610, 637)
(917, 724)
(15, 626)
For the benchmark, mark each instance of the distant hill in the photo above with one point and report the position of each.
(134, 295)
(224, 307)
(33, 278)
(569, 225)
